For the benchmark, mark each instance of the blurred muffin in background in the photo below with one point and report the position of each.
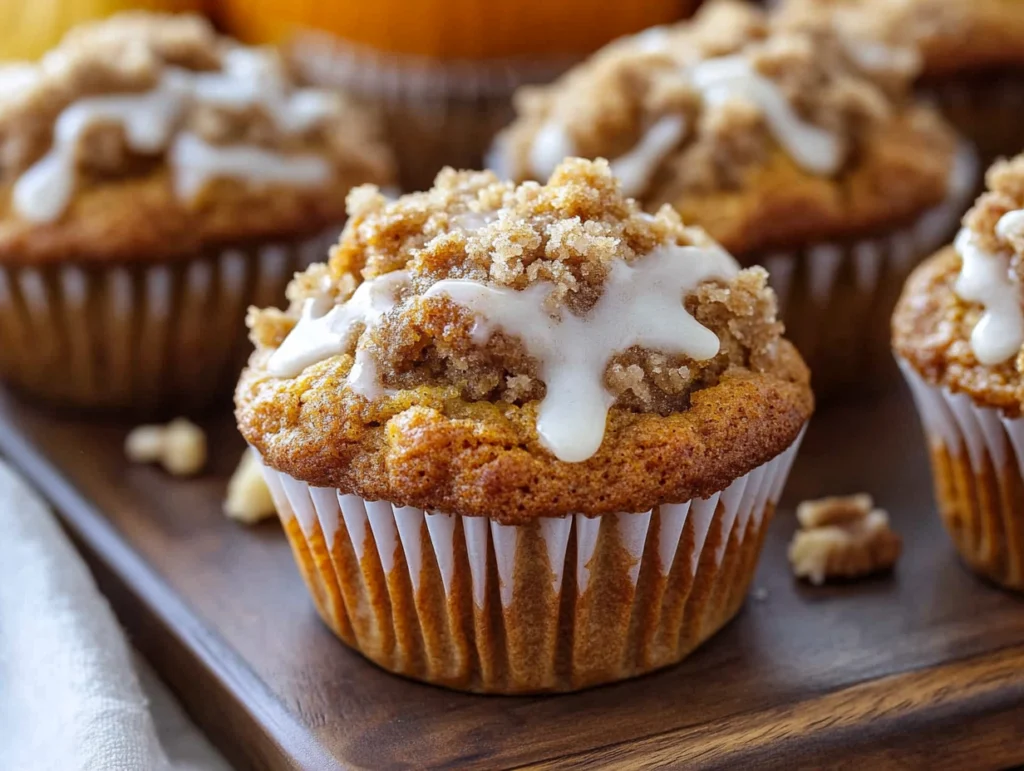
(29, 28)
(972, 55)
(157, 179)
(958, 331)
(443, 71)
(785, 146)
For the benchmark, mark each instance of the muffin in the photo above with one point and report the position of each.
(972, 56)
(784, 146)
(442, 73)
(958, 331)
(156, 179)
(526, 438)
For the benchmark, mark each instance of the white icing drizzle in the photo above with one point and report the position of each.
(725, 78)
(985, 279)
(634, 169)
(550, 147)
(719, 80)
(249, 78)
(196, 162)
(873, 56)
(323, 332)
(642, 304)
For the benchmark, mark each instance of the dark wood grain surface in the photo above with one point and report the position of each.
(923, 668)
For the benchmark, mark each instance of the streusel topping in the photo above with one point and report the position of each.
(128, 96)
(470, 288)
(767, 135)
(961, 319)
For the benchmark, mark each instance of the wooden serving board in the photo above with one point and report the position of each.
(924, 668)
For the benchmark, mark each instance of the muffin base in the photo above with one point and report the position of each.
(836, 299)
(977, 457)
(556, 605)
(145, 338)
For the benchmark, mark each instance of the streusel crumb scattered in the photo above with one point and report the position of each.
(178, 446)
(843, 537)
(248, 497)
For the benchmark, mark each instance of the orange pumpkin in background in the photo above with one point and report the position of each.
(443, 71)
(29, 28)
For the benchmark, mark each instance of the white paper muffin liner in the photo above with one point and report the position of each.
(143, 337)
(836, 298)
(977, 458)
(558, 604)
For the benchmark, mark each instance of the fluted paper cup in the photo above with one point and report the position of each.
(555, 605)
(147, 337)
(977, 456)
(836, 298)
(984, 107)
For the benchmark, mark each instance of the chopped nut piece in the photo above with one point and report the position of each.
(842, 538)
(834, 510)
(248, 498)
(179, 446)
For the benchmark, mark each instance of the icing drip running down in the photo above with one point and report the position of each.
(985, 279)
(323, 332)
(635, 168)
(719, 80)
(729, 77)
(642, 305)
(250, 78)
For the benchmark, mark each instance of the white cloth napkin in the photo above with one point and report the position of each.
(70, 697)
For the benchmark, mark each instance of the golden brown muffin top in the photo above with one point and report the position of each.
(150, 134)
(952, 36)
(768, 137)
(434, 400)
(960, 321)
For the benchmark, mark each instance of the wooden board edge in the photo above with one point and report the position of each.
(240, 716)
(927, 717)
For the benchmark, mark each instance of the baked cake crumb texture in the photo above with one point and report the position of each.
(842, 538)
(178, 446)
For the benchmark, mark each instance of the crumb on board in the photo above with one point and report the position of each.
(842, 537)
(178, 446)
(248, 498)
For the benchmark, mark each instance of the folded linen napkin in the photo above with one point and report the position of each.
(70, 697)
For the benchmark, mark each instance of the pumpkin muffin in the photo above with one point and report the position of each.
(155, 179)
(442, 73)
(784, 145)
(524, 438)
(971, 51)
(958, 331)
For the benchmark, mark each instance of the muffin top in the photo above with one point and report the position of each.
(960, 322)
(767, 136)
(952, 36)
(491, 350)
(150, 135)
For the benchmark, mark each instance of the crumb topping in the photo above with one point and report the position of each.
(125, 97)
(567, 235)
(951, 35)
(744, 89)
(842, 538)
(961, 318)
